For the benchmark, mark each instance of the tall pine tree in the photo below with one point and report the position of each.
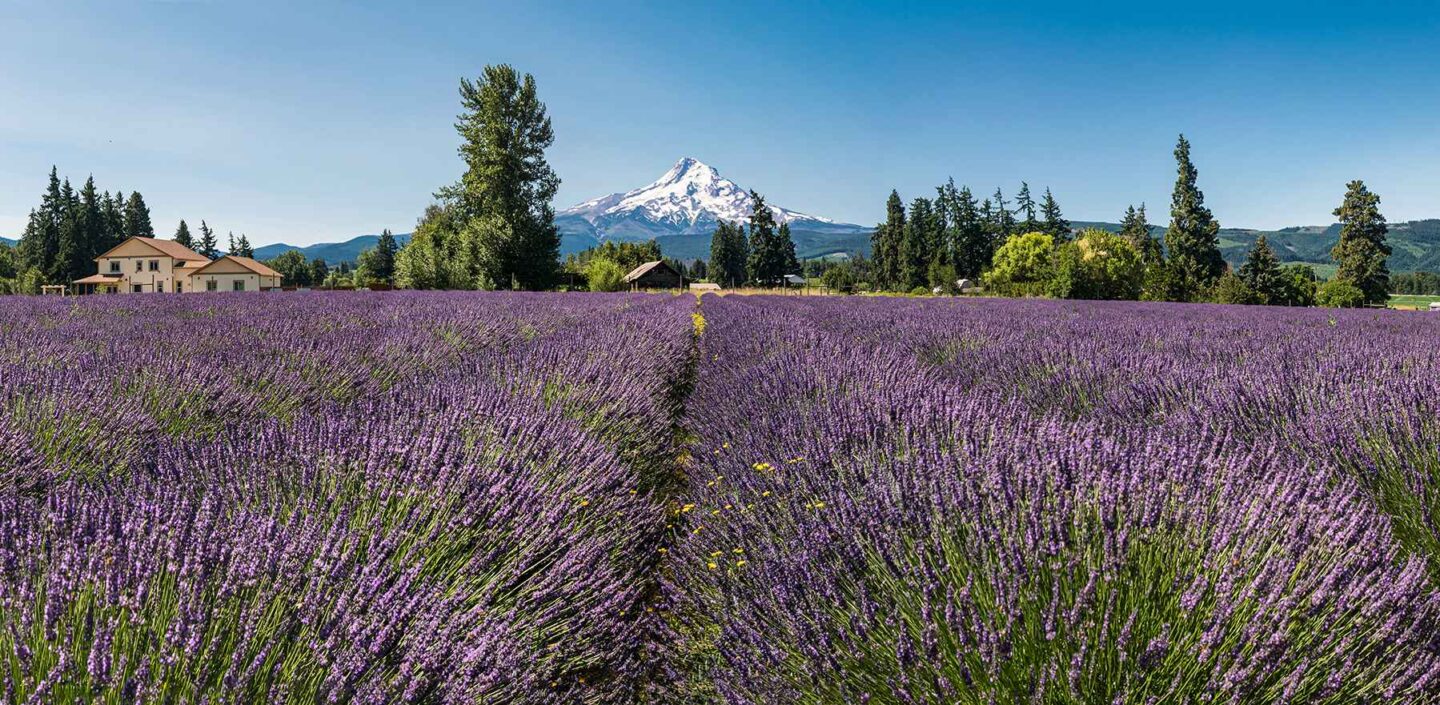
(1003, 224)
(1136, 230)
(767, 260)
(728, 254)
(70, 261)
(182, 235)
(1056, 226)
(785, 245)
(113, 218)
(504, 196)
(208, 244)
(885, 243)
(383, 261)
(972, 246)
(1361, 254)
(1261, 273)
(137, 217)
(1025, 205)
(1193, 238)
(40, 243)
(915, 245)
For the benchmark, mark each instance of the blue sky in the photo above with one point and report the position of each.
(316, 121)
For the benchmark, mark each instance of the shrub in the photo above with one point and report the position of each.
(1022, 266)
(1097, 265)
(605, 275)
(1338, 293)
(1232, 289)
(839, 278)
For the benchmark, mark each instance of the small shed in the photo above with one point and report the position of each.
(1435, 306)
(654, 275)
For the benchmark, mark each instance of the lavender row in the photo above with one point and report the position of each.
(408, 498)
(904, 502)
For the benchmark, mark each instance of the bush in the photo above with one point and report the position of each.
(839, 278)
(1097, 265)
(1022, 266)
(1298, 286)
(605, 275)
(919, 291)
(1233, 290)
(1338, 293)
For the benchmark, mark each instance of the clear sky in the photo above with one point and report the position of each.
(313, 121)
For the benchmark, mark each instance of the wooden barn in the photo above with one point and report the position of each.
(654, 275)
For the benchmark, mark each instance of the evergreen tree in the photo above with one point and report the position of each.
(1361, 253)
(137, 217)
(208, 244)
(233, 247)
(319, 271)
(1055, 225)
(767, 259)
(242, 247)
(915, 245)
(503, 199)
(70, 259)
(885, 243)
(1261, 274)
(789, 263)
(971, 248)
(383, 261)
(1193, 238)
(947, 218)
(720, 253)
(39, 247)
(92, 226)
(1136, 229)
(112, 221)
(182, 235)
(1002, 225)
(1025, 205)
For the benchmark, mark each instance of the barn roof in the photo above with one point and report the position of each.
(646, 268)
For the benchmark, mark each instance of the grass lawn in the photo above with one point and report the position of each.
(1412, 301)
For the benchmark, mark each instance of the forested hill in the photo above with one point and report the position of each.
(1415, 244)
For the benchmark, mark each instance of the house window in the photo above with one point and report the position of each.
(211, 286)
(154, 265)
(178, 287)
(239, 284)
(139, 266)
(114, 266)
(136, 288)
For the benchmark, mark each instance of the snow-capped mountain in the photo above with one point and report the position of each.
(690, 199)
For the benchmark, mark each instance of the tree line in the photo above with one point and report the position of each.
(1031, 250)
(70, 228)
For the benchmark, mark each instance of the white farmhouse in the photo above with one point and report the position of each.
(146, 265)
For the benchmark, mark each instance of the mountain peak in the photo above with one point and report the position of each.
(689, 198)
(689, 168)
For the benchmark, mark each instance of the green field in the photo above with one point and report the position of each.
(1412, 301)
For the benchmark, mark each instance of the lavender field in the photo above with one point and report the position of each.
(531, 498)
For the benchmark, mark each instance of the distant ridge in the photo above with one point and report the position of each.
(331, 252)
(1416, 244)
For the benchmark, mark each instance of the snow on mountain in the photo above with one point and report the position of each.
(689, 199)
